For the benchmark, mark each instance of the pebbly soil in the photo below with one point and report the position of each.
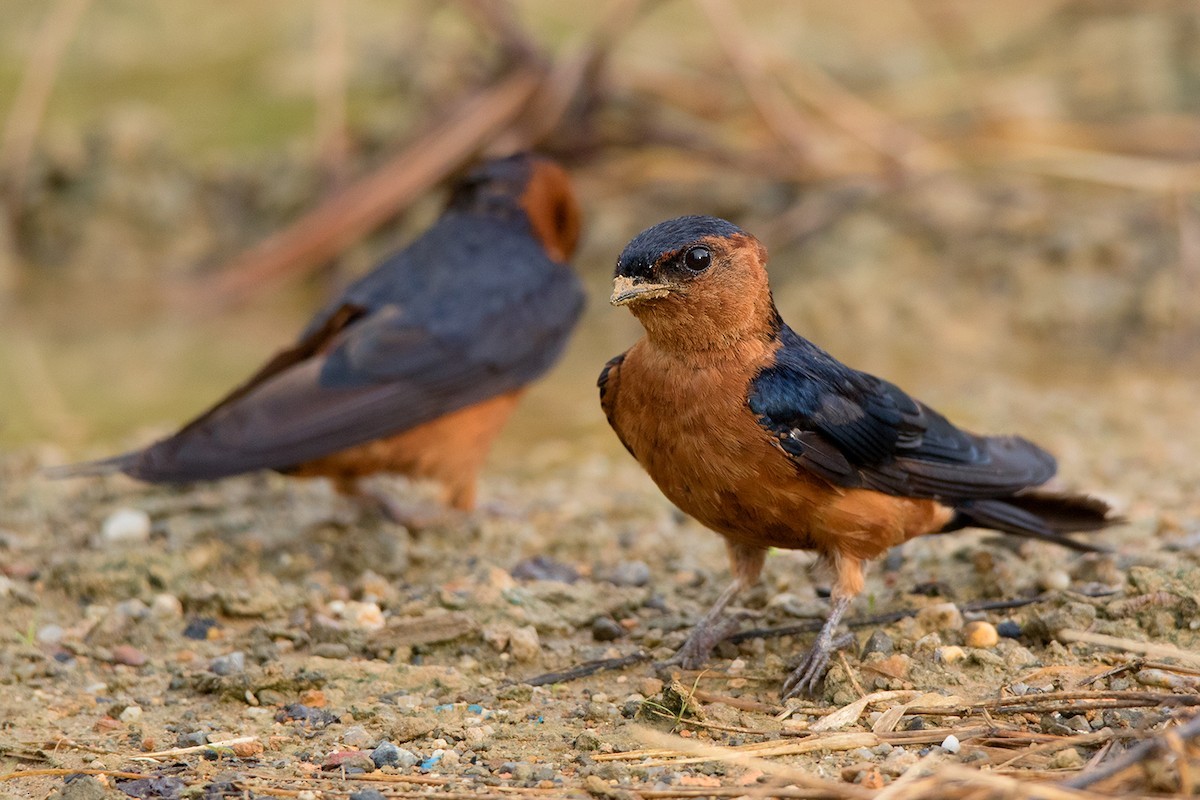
(141, 619)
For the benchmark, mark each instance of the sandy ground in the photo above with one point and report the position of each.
(273, 613)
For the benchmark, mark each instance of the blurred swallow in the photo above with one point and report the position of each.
(416, 367)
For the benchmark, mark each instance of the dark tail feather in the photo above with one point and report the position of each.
(1038, 515)
(104, 466)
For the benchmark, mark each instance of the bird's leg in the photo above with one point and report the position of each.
(746, 564)
(807, 676)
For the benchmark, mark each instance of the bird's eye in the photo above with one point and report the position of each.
(697, 259)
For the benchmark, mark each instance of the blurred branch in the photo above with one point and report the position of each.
(499, 18)
(354, 211)
(29, 107)
(781, 117)
(576, 74)
(329, 88)
(900, 144)
(1094, 166)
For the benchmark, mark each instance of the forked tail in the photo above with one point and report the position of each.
(1038, 514)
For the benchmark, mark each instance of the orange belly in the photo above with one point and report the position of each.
(692, 430)
(449, 450)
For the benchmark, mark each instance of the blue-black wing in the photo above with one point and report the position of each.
(856, 430)
(472, 309)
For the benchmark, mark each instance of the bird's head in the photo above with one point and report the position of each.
(525, 185)
(696, 283)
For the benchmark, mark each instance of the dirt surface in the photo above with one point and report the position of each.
(309, 630)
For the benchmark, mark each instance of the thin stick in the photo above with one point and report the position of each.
(28, 109)
(1134, 755)
(705, 752)
(1131, 645)
(328, 229)
(41, 773)
(329, 89)
(588, 668)
(199, 748)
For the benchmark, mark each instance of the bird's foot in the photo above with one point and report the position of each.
(806, 677)
(416, 516)
(701, 642)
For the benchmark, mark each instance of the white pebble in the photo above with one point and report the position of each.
(131, 714)
(126, 526)
(950, 744)
(166, 606)
(524, 645)
(366, 616)
(1055, 580)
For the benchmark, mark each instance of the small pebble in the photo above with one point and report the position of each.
(389, 755)
(940, 617)
(980, 634)
(878, 642)
(524, 644)
(951, 744)
(604, 629)
(166, 606)
(949, 654)
(365, 616)
(131, 714)
(587, 741)
(544, 568)
(128, 655)
(357, 736)
(1066, 759)
(201, 629)
(630, 573)
(350, 761)
(1054, 580)
(367, 794)
(1009, 629)
(126, 526)
(335, 650)
(50, 634)
(229, 664)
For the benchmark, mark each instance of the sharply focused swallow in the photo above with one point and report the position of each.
(771, 442)
(416, 367)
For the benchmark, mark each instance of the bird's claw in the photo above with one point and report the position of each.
(807, 676)
(700, 644)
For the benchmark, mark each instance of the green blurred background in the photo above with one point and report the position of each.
(961, 196)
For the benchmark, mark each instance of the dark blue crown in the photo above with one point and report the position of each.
(649, 246)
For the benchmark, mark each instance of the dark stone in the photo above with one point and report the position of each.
(544, 568)
(604, 629)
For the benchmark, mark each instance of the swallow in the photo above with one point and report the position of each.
(768, 440)
(417, 366)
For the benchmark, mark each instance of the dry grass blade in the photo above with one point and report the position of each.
(200, 748)
(704, 752)
(942, 782)
(1135, 755)
(830, 742)
(60, 771)
(1130, 645)
(335, 224)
